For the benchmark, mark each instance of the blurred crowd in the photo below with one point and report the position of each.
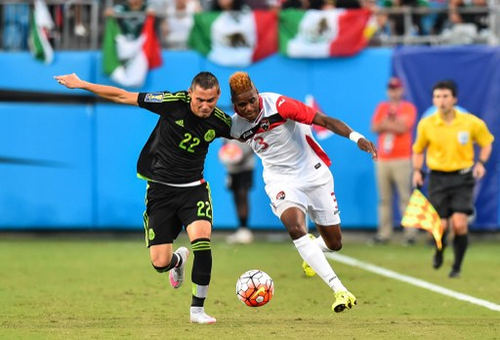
(454, 21)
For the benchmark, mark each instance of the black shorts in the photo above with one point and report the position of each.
(169, 208)
(451, 192)
(240, 180)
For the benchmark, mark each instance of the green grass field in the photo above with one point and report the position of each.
(105, 288)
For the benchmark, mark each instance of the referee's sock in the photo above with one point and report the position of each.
(460, 243)
(202, 268)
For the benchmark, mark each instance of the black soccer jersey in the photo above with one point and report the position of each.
(176, 149)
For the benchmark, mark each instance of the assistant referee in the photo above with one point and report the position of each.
(448, 136)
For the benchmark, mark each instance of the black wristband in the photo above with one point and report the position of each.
(483, 163)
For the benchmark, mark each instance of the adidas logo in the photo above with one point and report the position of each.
(180, 122)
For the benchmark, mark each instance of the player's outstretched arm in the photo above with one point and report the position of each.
(340, 128)
(112, 93)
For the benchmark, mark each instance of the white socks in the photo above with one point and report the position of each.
(322, 245)
(313, 255)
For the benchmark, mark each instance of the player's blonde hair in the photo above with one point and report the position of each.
(240, 82)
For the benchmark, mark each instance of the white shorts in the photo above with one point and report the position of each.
(316, 200)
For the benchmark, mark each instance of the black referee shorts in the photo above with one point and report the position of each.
(169, 208)
(240, 180)
(451, 192)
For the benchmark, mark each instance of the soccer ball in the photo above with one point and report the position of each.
(254, 288)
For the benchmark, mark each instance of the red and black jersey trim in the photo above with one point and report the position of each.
(265, 124)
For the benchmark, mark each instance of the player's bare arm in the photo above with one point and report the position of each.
(114, 94)
(340, 128)
(418, 163)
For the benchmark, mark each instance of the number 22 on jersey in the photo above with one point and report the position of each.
(189, 142)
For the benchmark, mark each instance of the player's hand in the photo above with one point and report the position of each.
(478, 171)
(417, 179)
(365, 145)
(71, 81)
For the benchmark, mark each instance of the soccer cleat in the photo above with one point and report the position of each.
(198, 315)
(437, 260)
(241, 236)
(307, 269)
(454, 274)
(343, 300)
(176, 275)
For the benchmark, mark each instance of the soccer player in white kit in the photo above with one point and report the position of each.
(296, 175)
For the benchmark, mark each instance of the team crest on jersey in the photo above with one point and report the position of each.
(463, 137)
(209, 135)
(281, 195)
(264, 124)
(153, 97)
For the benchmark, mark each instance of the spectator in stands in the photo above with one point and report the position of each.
(178, 21)
(263, 4)
(455, 29)
(238, 158)
(299, 4)
(448, 137)
(228, 5)
(393, 121)
(398, 21)
(15, 26)
(378, 26)
(133, 17)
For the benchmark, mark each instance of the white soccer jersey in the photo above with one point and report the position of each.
(295, 167)
(281, 136)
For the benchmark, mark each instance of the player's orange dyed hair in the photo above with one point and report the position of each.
(240, 82)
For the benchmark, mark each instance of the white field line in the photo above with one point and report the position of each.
(411, 280)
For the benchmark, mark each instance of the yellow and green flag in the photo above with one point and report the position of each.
(421, 214)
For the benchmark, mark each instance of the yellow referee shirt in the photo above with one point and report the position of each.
(450, 145)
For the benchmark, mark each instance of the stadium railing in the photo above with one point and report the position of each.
(67, 14)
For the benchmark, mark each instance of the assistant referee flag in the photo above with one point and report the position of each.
(421, 214)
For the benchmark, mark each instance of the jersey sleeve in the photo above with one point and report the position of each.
(289, 108)
(159, 102)
(482, 135)
(421, 138)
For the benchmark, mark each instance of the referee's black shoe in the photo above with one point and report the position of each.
(437, 261)
(455, 273)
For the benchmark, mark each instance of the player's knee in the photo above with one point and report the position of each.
(335, 244)
(296, 231)
(159, 263)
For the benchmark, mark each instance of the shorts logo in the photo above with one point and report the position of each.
(209, 135)
(463, 137)
(281, 195)
(264, 124)
(153, 98)
(151, 234)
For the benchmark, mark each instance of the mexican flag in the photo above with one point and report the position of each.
(128, 61)
(40, 25)
(321, 34)
(235, 38)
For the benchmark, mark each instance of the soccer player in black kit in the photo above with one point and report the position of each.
(172, 163)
